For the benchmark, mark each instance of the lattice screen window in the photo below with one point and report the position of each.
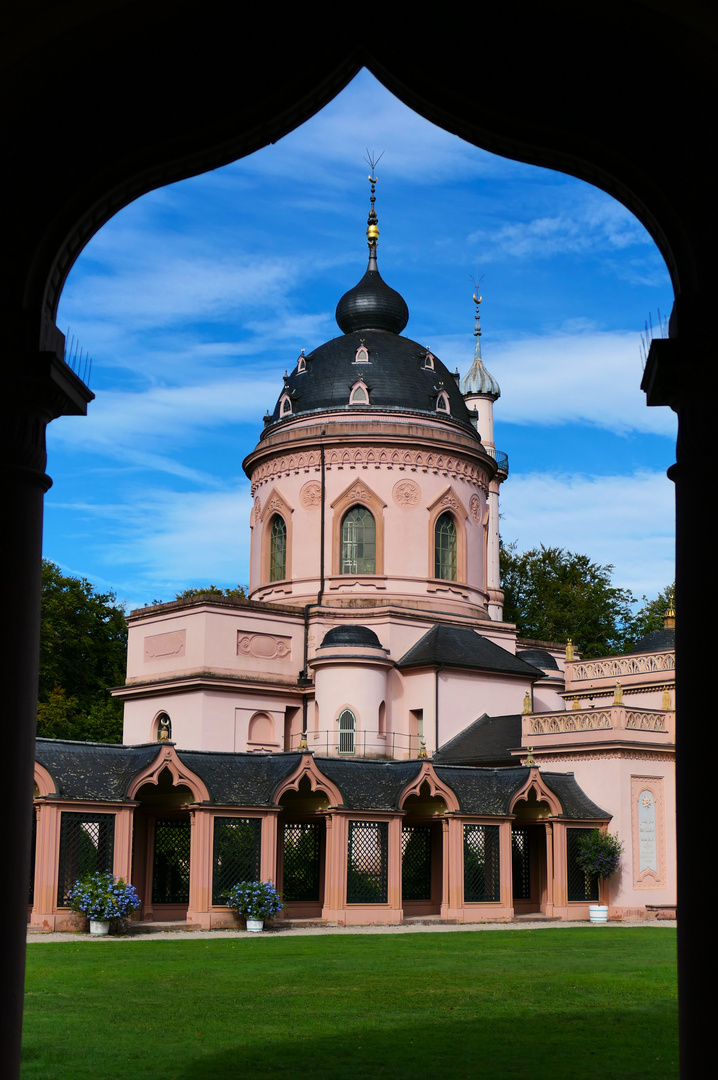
(521, 863)
(580, 885)
(416, 862)
(86, 845)
(301, 861)
(482, 875)
(237, 851)
(171, 865)
(368, 862)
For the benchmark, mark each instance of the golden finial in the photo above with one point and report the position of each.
(666, 702)
(575, 704)
(669, 618)
(618, 695)
(530, 760)
(372, 230)
(527, 703)
(569, 649)
(422, 748)
(303, 742)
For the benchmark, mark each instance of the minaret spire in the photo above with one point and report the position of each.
(477, 326)
(477, 380)
(372, 228)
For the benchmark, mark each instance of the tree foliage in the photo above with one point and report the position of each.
(552, 594)
(650, 615)
(211, 590)
(83, 647)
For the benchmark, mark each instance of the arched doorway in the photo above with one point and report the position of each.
(301, 850)
(530, 871)
(161, 849)
(422, 853)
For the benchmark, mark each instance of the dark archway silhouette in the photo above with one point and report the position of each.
(109, 100)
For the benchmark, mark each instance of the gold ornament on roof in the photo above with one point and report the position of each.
(669, 618)
(666, 702)
(575, 704)
(618, 695)
(527, 703)
(569, 649)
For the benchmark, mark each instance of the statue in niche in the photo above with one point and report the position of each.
(164, 728)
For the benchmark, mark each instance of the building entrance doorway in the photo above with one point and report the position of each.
(530, 872)
(301, 852)
(161, 849)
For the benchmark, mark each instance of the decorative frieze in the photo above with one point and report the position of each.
(162, 646)
(617, 666)
(372, 457)
(582, 720)
(645, 720)
(475, 508)
(264, 646)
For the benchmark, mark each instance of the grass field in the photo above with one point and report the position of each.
(546, 1005)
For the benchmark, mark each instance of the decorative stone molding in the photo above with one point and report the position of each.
(275, 503)
(643, 720)
(648, 832)
(437, 789)
(454, 467)
(406, 494)
(475, 508)
(617, 666)
(264, 646)
(167, 759)
(581, 720)
(536, 785)
(257, 509)
(160, 646)
(357, 494)
(318, 782)
(310, 495)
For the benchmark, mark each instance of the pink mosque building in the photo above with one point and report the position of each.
(365, 729)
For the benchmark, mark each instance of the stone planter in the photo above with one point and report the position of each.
(99, 927)
(255, 925)
(598, 913)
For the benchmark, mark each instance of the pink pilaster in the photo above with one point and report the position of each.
(122, 855)
(200, 873)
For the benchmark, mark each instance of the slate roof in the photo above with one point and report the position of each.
(97, 771)
(656, 641)
(240, 779)
(488, 739)
(102, 772)
(458, 646)
(396, 376)
(351, 634)
(539, 658)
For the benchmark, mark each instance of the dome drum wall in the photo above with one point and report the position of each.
(404, 483)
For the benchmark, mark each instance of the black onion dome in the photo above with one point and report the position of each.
(656, 641)
(540, 658)
(372, 305)
(396, 376)
(351, 634)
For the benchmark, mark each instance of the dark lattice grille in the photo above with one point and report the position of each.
(86, 842)
(237, 848)
(416, 862)
(521, 863)
(33, 844)
(580, 885)
(301, 861)
(170, 868)
(347, 732)
(367, 869)
(482, 878)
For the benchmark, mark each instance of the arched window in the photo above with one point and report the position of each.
(359, 394)
(358, 542)
(347, 732)
(278, 549)
(429, 361)
(442, 402)
(362, 355)
(445, 548)
(285, 405)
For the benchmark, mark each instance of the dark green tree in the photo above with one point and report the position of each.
(651, 613)
(211, 590)
(552, 594)
(83, 648)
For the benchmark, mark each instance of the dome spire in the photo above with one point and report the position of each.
(477, 380)
(372, 304)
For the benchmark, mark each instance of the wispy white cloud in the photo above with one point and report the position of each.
(625, 521)
(567, 378)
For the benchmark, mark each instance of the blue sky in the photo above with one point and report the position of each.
(195, 299)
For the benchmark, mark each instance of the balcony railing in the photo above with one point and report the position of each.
(501, 459)
(389, 746)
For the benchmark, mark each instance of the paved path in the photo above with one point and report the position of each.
(316, 931)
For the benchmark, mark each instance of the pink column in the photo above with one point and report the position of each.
(47, 852)
(200, 868)
(268, 859)
(455, 869)
(560, 882)
(505, 862)
(122, 854)
(335, 873)
(549, 904)
(394, 869)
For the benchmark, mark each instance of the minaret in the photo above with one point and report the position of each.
(480, 391)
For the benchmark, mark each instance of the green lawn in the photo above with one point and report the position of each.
(574, 1003)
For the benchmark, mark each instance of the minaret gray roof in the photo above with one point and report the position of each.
(477, 380)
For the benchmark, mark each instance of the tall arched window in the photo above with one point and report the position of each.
(445, 548)
(347, 732)
(358, 542)
(278, 549)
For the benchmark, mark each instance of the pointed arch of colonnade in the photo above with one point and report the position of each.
(535, 784)
(318, 782)
(168, 759)
(127, 141)
(437, 788)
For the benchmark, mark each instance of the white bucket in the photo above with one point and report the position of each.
(99, 927)
(255, 925)
(598, 913)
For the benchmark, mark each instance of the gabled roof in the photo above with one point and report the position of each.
(369, 785)
(240, 779)
(101, 771)
(458, 646)
(488, 739)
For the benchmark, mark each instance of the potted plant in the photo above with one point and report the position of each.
(103, 900)
(255, 901)
(599, 856)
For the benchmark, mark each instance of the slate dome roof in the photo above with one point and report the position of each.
(540, 658)
(656, 641)
(351, 634)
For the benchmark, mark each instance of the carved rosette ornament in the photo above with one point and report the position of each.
(311, 495)
(406, 494)
(475, 508)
